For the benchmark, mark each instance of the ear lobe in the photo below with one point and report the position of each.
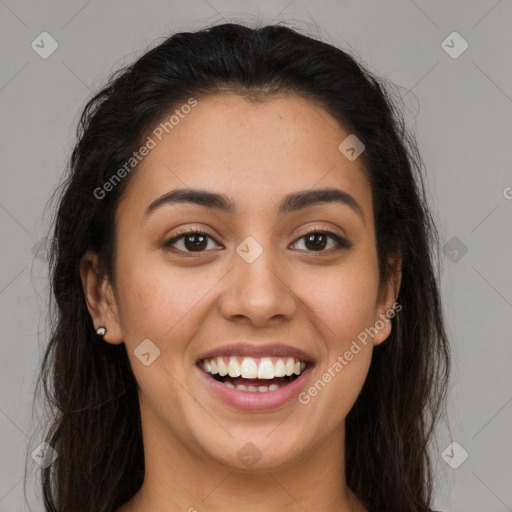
(100, 298)
(387, 300)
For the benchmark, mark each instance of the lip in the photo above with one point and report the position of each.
(256, 401)
(257, 350)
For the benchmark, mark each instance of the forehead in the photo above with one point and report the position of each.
(253, 152)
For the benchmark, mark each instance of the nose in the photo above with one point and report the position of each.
(260, 293)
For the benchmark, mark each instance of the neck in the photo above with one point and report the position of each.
(178, 478)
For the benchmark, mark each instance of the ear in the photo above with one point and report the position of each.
(386, 300)
(100, 298)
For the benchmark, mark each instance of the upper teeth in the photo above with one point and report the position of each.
(252, 368)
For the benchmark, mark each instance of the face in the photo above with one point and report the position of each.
(255, 293)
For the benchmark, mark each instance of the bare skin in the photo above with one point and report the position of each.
(187, 301)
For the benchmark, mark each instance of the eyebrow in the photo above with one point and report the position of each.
(290, 203)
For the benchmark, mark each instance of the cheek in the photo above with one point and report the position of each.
(162, 305)
(344, 300)
(343, 303)
(156, 299)
(343, 313)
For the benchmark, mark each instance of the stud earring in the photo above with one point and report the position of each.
(101, 331)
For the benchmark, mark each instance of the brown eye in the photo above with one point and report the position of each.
(191, 241)
(316, 241)
(195, 242)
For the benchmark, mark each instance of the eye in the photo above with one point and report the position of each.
(317, 241)
(194, 240)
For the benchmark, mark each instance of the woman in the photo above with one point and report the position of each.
(247, 308)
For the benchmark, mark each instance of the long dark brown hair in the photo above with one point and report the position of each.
(89, 386)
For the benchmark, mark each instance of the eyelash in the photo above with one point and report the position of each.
(342, 242)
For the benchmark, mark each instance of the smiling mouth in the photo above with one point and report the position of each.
(250, 374)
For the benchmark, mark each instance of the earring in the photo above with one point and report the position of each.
(101, 331)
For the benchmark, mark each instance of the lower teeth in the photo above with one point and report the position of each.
(253, 389)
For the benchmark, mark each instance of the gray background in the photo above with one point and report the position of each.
(459, 108)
